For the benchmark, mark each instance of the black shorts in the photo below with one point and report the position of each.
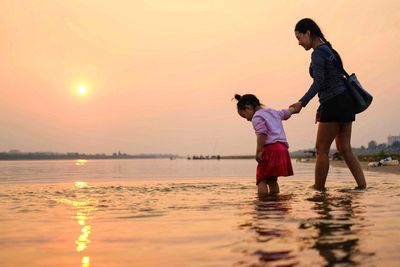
(338, 109)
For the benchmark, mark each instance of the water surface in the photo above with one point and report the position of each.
(191, 213)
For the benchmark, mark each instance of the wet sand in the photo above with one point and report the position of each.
(364, 164)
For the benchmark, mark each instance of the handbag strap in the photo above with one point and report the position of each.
(329, 55)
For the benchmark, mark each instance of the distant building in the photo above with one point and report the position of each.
(392, 139)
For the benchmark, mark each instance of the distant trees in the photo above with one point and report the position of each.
(372, 144)
(396, 144)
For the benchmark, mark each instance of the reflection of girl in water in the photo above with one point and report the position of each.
(266, 216)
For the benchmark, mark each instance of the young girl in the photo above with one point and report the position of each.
(272, 147)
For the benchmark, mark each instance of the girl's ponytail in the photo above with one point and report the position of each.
(238, 97)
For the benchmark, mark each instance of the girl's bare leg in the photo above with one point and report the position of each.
(344, 147)
(273, 187)
(262, 187)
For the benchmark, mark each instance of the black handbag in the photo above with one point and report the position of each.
(362, 99)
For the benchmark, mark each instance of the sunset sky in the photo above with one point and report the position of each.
(158, 76)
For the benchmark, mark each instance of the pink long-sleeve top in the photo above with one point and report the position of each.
(269, 122)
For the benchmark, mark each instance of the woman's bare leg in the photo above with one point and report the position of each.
(327, 132)
(344, 147)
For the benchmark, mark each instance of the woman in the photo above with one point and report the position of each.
(336, 111)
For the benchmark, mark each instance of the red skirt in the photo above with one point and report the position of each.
(276, 162)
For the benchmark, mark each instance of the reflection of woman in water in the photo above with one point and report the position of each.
(337, 241)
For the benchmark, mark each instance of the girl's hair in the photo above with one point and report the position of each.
(307, 24)
(247, 99)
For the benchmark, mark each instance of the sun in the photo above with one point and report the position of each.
(82, 90)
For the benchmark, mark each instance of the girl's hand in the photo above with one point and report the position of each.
(297, 107)
(259, 157)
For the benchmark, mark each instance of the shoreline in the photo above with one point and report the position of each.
(365, 167)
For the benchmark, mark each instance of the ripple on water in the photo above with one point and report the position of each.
(333, 227)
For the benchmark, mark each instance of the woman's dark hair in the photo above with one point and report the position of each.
(307, 24)
(247, 99)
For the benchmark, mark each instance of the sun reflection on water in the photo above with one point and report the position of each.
(80, 162)
(85, 261)
(80, 184)
(83, 239)
(84, 207)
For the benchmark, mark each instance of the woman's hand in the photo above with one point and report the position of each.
(297, 106)
(259, 156)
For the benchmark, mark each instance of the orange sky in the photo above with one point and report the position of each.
(161, 74)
